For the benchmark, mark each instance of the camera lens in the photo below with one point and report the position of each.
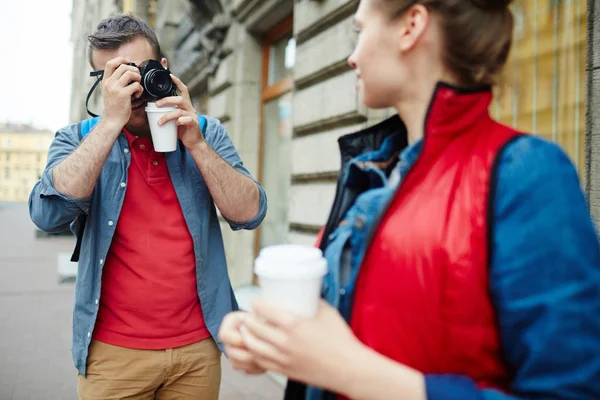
(158, 83)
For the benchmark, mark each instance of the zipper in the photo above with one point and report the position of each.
(403, 180)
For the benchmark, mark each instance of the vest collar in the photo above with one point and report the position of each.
(454, 110)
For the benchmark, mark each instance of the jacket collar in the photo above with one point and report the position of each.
(452, 111)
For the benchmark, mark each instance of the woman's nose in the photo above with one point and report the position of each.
(351, 61)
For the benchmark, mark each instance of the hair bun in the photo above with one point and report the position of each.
(492, 5)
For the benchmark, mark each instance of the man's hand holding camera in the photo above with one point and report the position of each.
(120, 83)
(186, 116)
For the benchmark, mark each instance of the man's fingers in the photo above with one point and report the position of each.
(129, 77)
(185, 120)
(181, 87)
(125, 70)
(135, 89)
(171, 115)
(112, 66)
(170, 101)
(175, 101)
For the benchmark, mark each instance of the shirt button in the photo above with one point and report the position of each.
(125, 151)
(142, 146)
(154, 162)
(342, 291)
(123, 184)
(89, 334)
(110, 223)
(101, 261)
(96, 301)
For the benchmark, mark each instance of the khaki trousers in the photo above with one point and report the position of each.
(184, 373)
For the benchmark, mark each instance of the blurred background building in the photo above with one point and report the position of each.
(274, 72)
(23, 152)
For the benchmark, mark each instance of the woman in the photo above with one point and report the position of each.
(466, 269)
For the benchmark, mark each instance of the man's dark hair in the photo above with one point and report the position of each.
(113, 32)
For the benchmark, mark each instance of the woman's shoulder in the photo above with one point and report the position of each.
(530, 158)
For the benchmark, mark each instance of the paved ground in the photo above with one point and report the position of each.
(35, 321)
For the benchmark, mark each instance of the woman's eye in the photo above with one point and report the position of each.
(354, 36)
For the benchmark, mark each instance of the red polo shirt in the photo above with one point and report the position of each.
(149, 299)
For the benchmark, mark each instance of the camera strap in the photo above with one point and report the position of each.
(99, 75)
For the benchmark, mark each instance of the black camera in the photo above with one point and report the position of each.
(156, 80)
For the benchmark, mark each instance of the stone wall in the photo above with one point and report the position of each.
(326, 106)
(85, 16)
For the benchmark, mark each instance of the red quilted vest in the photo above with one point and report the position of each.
(422, 294)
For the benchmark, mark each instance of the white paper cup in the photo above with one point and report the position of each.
(164, 137)
(290, 277)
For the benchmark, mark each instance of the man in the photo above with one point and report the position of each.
(152, 286)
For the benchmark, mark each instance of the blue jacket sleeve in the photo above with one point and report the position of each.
(218, 139)
(544, 281)
(50, 210)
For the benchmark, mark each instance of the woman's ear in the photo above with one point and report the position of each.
(413, 26)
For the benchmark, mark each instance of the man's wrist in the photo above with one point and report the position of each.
(110, 127)
(200, 147)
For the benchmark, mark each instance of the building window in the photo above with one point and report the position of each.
(544, 92)
(279, 49)
(282, 56)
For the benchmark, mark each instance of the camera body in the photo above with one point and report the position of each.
(156, 80)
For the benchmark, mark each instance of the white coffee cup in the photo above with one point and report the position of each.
(164, 137)
(290, 277)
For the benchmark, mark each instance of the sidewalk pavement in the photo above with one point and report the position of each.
(35, 327)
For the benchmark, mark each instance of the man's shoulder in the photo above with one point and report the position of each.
(214, 130)
(71, 130)
(212, 124)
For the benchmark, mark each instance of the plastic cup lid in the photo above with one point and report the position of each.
(152, 107)
(290, 262)
(295, 252)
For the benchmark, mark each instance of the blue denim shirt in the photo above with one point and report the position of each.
(52, 211)
(544, 275)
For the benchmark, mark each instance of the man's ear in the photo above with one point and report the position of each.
(163, 62)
